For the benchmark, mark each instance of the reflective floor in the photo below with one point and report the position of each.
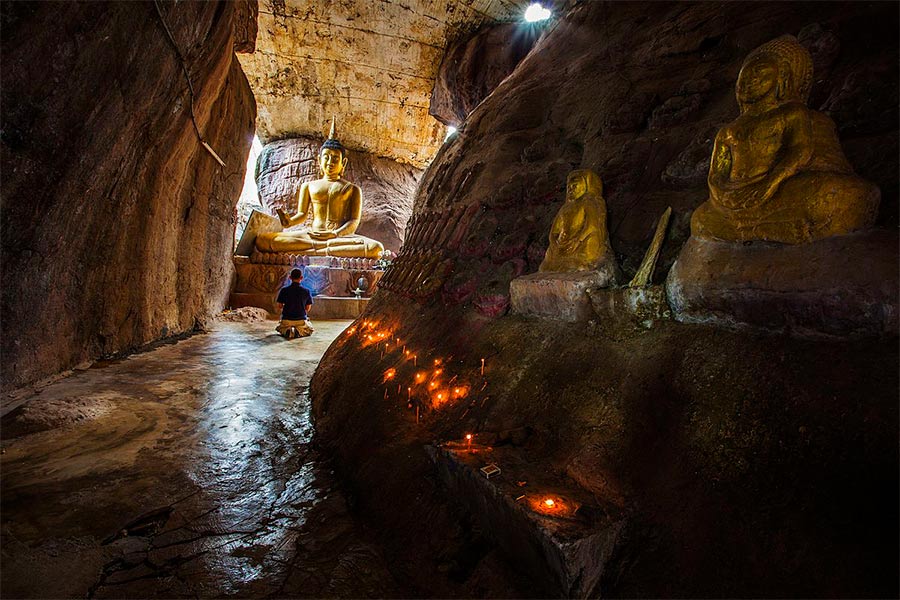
(181, 472)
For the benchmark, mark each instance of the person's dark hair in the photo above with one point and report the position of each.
(296, 274)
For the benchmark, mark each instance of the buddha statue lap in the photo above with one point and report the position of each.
(578, 237)
(777, 172)
(336, 206)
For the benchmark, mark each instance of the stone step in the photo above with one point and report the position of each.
(546, 524)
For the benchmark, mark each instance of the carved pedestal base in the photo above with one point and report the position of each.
(843, 286)
(258, 285)
(560, 296)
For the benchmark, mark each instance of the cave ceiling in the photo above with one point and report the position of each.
(371, 63)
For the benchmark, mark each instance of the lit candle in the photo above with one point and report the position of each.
(415, 361)
(469, 441)
(408, 394)
(549, 503)
(482, 366)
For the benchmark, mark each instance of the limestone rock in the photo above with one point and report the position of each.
(373, 64)
(117, 224)
(473, 67)
(387, 186)
(842, 286)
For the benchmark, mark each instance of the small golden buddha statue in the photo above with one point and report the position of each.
(578, 237)
(777, 172)
(336, 206)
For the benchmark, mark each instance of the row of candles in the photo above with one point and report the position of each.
(431, 385)
(424, 386)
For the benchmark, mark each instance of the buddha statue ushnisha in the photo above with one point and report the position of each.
(578, 237)
(336, 206)
(777, 172)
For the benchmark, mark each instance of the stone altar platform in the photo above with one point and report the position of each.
(331, 281)
(567, 543)
(561, 296)
(843, 286)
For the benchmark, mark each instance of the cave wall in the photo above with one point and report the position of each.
(116, 222)
(747, 464)
(472, 67)
(638, 96)
(387, 186)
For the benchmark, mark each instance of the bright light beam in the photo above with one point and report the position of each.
(536, 12)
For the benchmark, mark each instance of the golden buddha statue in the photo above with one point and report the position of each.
(336, 206)
(578, 237)
(777, 172)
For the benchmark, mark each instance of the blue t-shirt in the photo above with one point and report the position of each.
(295, 299)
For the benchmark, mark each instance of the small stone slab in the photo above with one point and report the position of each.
(844, 286)
(560, 296)
(259, 222)
(329, 307)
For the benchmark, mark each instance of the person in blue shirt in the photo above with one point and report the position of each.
(294, 302)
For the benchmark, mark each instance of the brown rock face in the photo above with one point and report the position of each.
(473, 67)
(840, 286)
(638, 97)
(732, 453)
(387, 185)
(116, 222)
(246, 15)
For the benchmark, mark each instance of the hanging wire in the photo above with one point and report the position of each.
(187, 76)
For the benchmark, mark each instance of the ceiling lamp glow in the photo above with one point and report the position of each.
(536, 12)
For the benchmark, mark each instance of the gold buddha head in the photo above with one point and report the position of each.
(332, 161)
(581, 182)
(779, 71)
(333, 156)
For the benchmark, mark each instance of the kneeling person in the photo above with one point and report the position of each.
(294, 301)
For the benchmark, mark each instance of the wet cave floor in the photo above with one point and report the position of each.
(185, 471)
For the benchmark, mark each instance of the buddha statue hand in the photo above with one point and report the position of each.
(746, 195)
(323, 235)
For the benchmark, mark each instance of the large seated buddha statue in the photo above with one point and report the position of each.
(777, 171)
(336, 206)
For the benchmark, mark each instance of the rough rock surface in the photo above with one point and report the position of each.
(387, 186)
(246, 26)
(372, 64)
(116, 222)
(749, 464)
(473, 67)
(844, 286)
(639, 97)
